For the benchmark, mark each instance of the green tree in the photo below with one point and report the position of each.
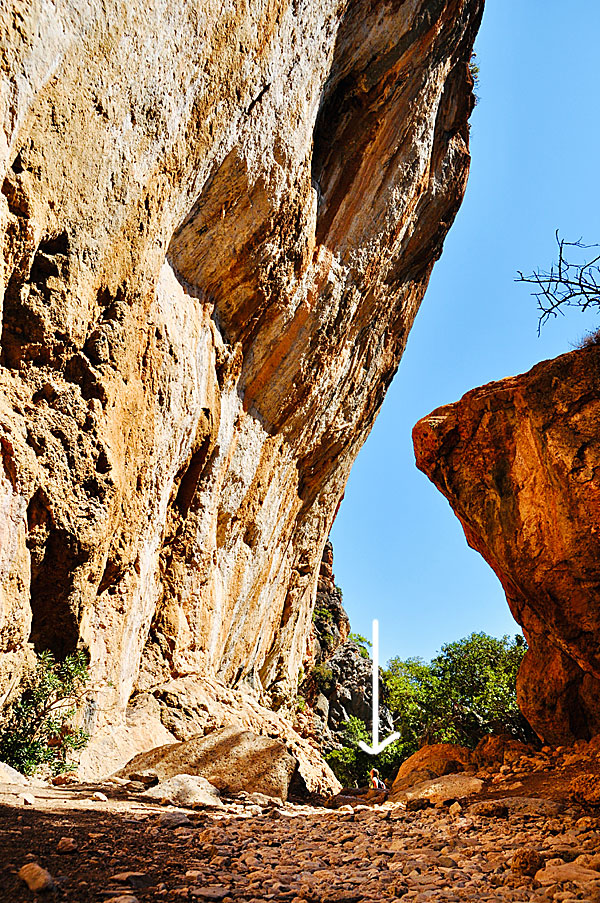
(467, 691)
(351, 765)
(362, 642)
(36, 727)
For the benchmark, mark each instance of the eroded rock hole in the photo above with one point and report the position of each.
(54, 557)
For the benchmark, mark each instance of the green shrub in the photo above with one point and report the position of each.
(351, 765)
(362, 642)
(323, 678)
(36, 728)
(343, 763)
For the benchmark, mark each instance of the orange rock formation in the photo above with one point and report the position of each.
(519, 461)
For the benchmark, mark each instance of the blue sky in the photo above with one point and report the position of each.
(400, 553)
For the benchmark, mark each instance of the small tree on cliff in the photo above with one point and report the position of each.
(567, 283)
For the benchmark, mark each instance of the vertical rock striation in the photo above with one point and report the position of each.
(519, 461)
(218, 222)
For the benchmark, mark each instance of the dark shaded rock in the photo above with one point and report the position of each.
(489, 809)
(345, 686)
(526, 861)
(331, 626)
(417, 803)
(492, 750)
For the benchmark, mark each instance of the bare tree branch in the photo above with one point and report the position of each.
(566, 284)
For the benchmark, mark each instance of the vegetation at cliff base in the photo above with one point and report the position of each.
(36, 728)
(466, 692)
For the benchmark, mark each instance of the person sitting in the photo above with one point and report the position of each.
(376, 782)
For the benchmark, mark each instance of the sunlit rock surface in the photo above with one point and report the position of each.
(218, 222)
(519, 461)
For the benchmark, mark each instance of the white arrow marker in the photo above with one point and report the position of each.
(377, 746)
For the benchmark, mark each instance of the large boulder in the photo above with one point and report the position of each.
(440, 790)
(191, 791)
(231, 759)
(431, 762)
(519, 461)
(9, 775)
(494, 750)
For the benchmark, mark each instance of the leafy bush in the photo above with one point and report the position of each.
(36, 728)
(351, 765)
(343, 763)
(300, 703)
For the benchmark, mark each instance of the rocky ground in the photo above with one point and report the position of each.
(530, 834)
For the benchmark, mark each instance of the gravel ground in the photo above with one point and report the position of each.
(122, 849)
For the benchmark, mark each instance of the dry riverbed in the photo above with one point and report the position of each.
(122, 849)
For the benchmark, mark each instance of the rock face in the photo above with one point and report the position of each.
(338, 682)
(519, 461)
(344, 689)
(218, 222)
(331, 625)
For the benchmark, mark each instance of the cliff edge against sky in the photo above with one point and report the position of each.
(218, 222)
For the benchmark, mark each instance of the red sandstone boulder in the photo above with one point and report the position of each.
(519, 461)
(431, 762)
(492, 750)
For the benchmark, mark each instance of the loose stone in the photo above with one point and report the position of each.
(36, 878)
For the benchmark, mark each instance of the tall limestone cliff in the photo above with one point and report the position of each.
(519, 461)
(218, 221)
